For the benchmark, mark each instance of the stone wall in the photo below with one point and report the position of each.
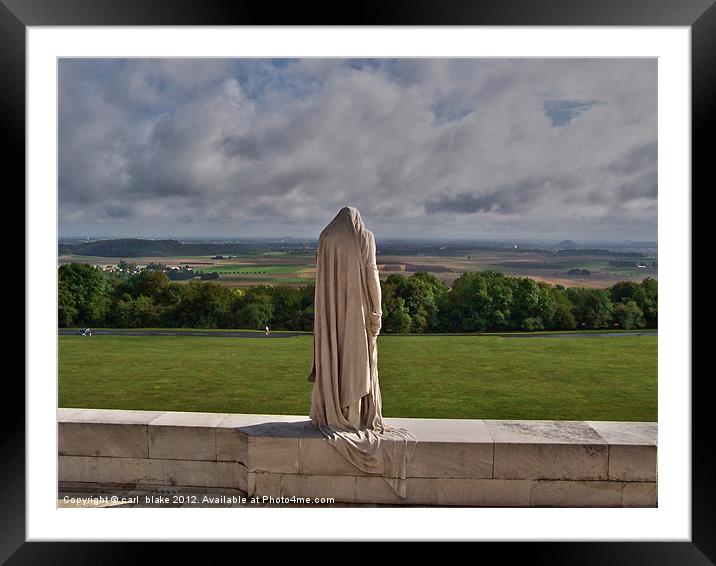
(457, 462)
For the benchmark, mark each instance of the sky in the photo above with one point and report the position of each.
(424, 148)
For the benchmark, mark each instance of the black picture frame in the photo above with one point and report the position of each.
(699, 15)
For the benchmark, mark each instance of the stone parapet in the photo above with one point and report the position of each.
(492, 463)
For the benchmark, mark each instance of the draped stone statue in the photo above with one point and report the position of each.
(346, 401)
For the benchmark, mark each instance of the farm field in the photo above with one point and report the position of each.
(606, 378)
(278, 268)
(540, 266)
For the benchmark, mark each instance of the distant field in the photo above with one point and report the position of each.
(242, 269)
(280, 268)
(607, 378)
(247, 281)
(541, 266)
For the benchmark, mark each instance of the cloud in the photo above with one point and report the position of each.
(640, 158)
(423, 147)
(503, 200)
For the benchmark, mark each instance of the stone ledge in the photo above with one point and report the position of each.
(457, 462)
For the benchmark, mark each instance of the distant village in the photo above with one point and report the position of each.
(124, 270)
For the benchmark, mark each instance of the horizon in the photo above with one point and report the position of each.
(215, 239)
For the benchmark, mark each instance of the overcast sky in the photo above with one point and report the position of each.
(458, 148)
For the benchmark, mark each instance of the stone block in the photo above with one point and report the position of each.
(542, 432)
(182, 443)
(102, 439)
(201, 473)
(261, 484)
(551, 461)
(77, 469)
(444, 430)
(231, 442)
(632, 463)
(316, 456)
(570, 450)
(272, 446)
(242, 477)
(630, 433)
(451, 460)
(639, 494)
(106, 416)
(341, 488)
(419, 491)
(179, 418)
(422, 491)
(460, 448)
(483, 492)
(184, 436)
(376, 490)
(576, 494)
(231, 445)
(130, 470)
(632, 449)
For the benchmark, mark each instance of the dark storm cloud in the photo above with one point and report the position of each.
(241, 147)
(115, 211)
(246, 147)
(641, 158)
(645, 186)
(504, 200)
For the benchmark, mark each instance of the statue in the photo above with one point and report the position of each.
(345, 402)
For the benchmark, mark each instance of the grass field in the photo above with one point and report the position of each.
(606, 378)
(255, 269)
(251, 280)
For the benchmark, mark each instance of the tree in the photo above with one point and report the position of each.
(199, 305)
(624, 291)
(421, 294)
(66, 307)
(256, 308)
(533, 305)
(398, 319)
(393, 305)
(563, 317)
(308, 294)
(154, 284)
(128, 312)
(650, 287)
(257, 313)
(500, 295)
(286, 311)
(594, 309)
(465, 307)
(89, 290)
(545, 304)
(628, 315)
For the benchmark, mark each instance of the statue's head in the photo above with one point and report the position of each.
(349, 210)
(354, 214)
(348, 216)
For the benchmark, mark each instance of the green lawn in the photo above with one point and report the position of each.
(606, 378)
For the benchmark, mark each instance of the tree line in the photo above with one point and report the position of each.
(477, 302)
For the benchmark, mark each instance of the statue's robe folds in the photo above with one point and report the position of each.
(346, 402)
